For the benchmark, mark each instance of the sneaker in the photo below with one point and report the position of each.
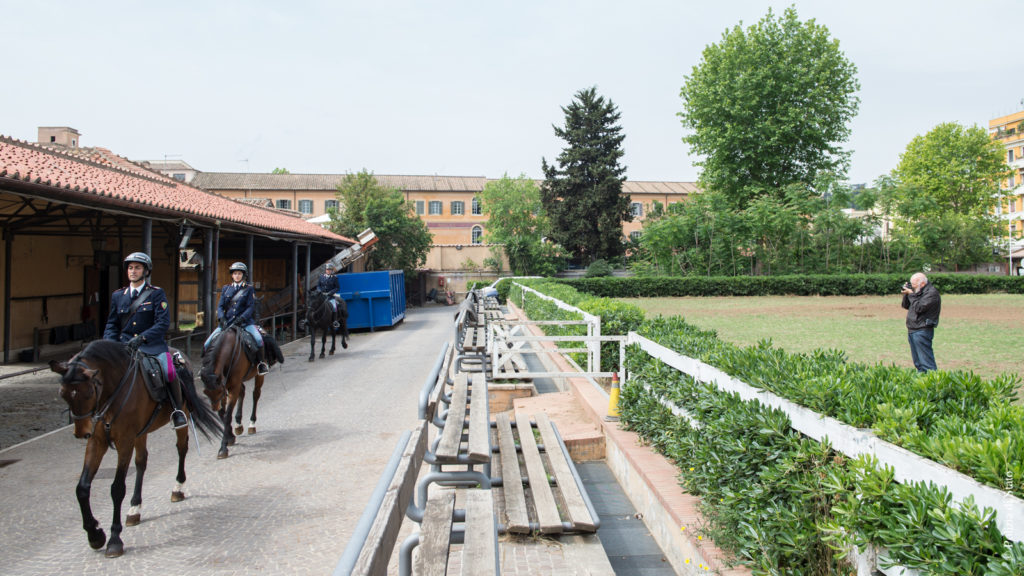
(178, 419)
(262, 368)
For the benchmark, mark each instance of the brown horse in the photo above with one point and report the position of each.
(104, 388)
(226, 368)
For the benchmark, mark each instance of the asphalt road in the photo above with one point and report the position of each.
(284, 502)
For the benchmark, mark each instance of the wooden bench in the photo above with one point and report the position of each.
(442, 524)
(470, 344)
(539, 489)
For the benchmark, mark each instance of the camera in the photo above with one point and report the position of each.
(907, 286)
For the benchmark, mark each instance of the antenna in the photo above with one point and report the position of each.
(246, 160)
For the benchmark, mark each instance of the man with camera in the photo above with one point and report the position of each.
(922, 303)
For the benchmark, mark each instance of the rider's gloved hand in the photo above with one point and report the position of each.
(223, 324)
(134, 343)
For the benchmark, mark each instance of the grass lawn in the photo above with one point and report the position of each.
(979, 333)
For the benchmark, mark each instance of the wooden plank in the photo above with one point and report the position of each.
(543, 498)
(576, 507)
(479, 554)
(434, 398)
(435, 534)
(380, 542)
(479, 421)
(512, 479)
(451, 435)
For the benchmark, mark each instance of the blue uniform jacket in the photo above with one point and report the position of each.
(151, 319)
(328, 284)
(242, 309)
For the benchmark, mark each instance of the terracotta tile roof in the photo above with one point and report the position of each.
(96, 176)
(247, 181)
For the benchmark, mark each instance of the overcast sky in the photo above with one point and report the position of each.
(468, 88)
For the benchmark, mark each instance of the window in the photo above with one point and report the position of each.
(179, 177)
(478, 234)
(458, 208)
(1009, 156)
(435, 207)
(419, 207)
(306, 206)
(637, 209)
(284, 204)
(476, 206)
(330, 204)
(635, 235)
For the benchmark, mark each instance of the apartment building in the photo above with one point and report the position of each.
(1009, 131)
(448, 204)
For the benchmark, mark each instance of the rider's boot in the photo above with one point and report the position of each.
(261, 365)
(334, 314)
(178, 419)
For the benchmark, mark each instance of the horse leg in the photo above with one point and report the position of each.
(141, 457)
(323, 343)
(94, 452)
(238, 411)
(115, 547)
(312, 340)
(334, 334)
(178, 494)
(256, 390)
(229, 438)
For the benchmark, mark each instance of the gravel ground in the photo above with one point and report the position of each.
(30, 405)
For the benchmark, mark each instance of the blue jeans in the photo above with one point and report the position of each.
(251, 329)
(921, 349)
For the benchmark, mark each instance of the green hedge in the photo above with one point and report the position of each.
(783, 503)
(802, 285)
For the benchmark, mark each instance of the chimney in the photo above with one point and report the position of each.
(60, 135)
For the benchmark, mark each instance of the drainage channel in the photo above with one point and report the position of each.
(627, 542)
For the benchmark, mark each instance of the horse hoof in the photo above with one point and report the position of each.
(231, 442)
(114, 550)
(222, 454)
(344, 344)
(97, 539)
(134, 519)
(311, 358)
(252, 430)
(177, 496)
(238, 429)
(332, 352)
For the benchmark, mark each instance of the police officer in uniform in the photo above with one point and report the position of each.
(238, 306)
(328, 284)
(139, 318)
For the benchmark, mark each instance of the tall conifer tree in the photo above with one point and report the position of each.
(582, 192)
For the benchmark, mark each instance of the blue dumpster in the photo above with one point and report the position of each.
(374, 299)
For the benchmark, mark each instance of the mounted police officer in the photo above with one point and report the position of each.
(139, 318)
(328, 284)
(238, 306)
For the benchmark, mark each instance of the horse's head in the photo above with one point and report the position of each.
(82, 381)
(213, 366)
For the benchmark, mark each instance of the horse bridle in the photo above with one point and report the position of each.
(318, 312)
(97, 386)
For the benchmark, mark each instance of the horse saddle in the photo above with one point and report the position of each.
(154, 374)
(251, 348)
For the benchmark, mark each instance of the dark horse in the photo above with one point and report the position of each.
(319, 316)
(104, 388)
(226, 368)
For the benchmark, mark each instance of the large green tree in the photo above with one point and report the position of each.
(944, 190)
(364, 203)
(769, 106)
(951, 169)
(515, 219)
(582, 192)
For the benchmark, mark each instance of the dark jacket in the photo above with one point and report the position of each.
(241, 310)
(150, 319)
(328, 284)
(923, 308)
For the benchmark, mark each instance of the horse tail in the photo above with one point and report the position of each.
(274, 351)
(206, 420)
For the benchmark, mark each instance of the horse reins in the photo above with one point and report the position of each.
(99, 414)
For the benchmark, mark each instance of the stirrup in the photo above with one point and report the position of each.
(336, 325)
(262, 368)
(180, 414)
